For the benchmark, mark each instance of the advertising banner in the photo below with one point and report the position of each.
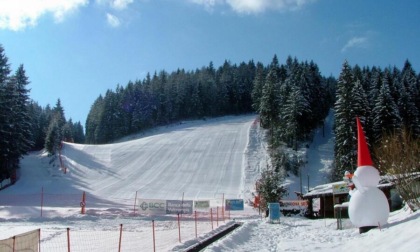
(293, 204)
(202, 205)
(179, 207)
(150, 206)
(234, 205)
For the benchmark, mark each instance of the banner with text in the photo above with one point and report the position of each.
(179, 207)
(293, 204)
(234, 205)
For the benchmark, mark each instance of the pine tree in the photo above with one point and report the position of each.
(344, 124)
(386, 118)
(269, 106)
(38, 122)
(53, 137)
(23, 126)
(93, 120)
(292, 112)
(409, 101)
(55, 133)
(78, 134)
(258, 86)
(269, 186)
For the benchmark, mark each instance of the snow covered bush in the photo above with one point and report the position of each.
(269, 186)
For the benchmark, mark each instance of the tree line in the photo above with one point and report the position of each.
(26, 126)
(208, 92)
(387, 102)
(165, 97)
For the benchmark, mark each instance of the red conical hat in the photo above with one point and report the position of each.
(363, 155)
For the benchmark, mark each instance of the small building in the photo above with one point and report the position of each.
(322, 198)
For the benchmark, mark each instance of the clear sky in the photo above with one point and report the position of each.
(75, 50)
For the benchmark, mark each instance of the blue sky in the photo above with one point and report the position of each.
(75, 50)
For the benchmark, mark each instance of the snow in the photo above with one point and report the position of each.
(212, 160)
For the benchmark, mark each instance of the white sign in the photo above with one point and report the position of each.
(340, 188)
(202, 205)
(150, 206)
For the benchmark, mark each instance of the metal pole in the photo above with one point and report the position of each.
(135, 202)
(308, 182)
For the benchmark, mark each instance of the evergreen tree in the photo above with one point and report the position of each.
(269, 186)
(23, 126)
(15, 127)
(409, 102)
(269, 104)
(39, 124)
(68, 131)
(344, 124)
(258, 86)
(93, 120)
(55, 133)
(53, 136)
(225, 81)
(386, 118)
(78, 133)
(294, 108)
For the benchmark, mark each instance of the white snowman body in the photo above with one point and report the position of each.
(368, 205)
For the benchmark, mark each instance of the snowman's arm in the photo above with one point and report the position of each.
(357, 184)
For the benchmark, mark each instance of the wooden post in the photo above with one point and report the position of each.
(179, 229)
(83, 203)
(195, 218)
(154, 240)
(68, 239)
(223, 207)
(42, 199)
(217, 215)
(135, 202)
(119, 244)
(211, 218)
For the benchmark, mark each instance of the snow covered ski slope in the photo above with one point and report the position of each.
(190, 160)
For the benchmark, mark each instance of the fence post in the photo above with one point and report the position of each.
(179, 230)
(211, 218)
(223, 207)
(39, 239)
(68, 239)
(83, 203)
(14, 241)
(135, 202)
(195, 218)
(217, 215)
(119, 244)
(153, 230)
(42, 199)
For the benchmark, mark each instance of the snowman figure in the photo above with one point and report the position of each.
(368, 206)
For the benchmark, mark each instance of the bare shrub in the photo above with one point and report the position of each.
(398, 155)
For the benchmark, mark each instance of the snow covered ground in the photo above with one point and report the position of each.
(211, 160)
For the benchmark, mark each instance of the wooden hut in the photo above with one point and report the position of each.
(323, 198)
